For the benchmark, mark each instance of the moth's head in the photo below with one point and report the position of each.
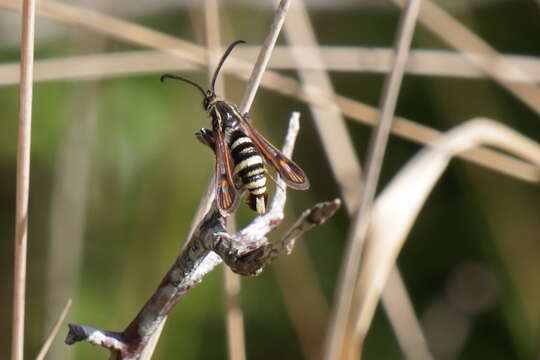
(208, 99)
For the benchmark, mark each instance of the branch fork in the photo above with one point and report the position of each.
(246, 252)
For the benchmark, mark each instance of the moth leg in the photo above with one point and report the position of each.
(206, 137)
(246, 117)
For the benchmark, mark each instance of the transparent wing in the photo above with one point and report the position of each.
(291, 173)
(226, 194)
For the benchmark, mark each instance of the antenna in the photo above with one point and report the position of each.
(177, 77)
(225, 55)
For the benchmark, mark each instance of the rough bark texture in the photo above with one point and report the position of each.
(246, 252)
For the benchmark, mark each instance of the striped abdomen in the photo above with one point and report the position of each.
(249, 167)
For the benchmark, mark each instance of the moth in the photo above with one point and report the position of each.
(241, 151)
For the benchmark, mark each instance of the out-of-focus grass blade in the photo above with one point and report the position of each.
(334, 136)
(423, 62)
(140, 35)
(46, 346)
(478, 52)
(397, 207)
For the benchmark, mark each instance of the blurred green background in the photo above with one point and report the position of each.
(116, 176)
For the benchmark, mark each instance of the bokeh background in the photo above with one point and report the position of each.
(117, 174)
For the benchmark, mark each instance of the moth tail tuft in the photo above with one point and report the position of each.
(257, 203)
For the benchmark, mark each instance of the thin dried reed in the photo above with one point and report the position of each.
(252, 87)
(264, 55)
(333, 58)
(478, 52)
(398, 205)
(327, 108)
(234, 318)
(23, 178)
(339, 149)
(329, 122)
(46, 346)
(335, 346)
(356, 110)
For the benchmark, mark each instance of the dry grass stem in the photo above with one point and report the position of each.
(330, 124)
(264, 56)
(335, 345)
(400, 312)
(333, 58)
(399, 204)
(340, 152)
(211, 21)
(256, 73)
(355, 110)
(234, 323)
(304, 300)
(69, 202)
(69, 194)
(369, 269)
(479, 52)
(23, 179)
(236, 343)
(45, 348)
(213, 41)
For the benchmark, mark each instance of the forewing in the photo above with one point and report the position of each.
(291, 173)
(226, 194)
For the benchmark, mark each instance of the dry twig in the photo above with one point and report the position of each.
(245, 252)
(252, 87)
